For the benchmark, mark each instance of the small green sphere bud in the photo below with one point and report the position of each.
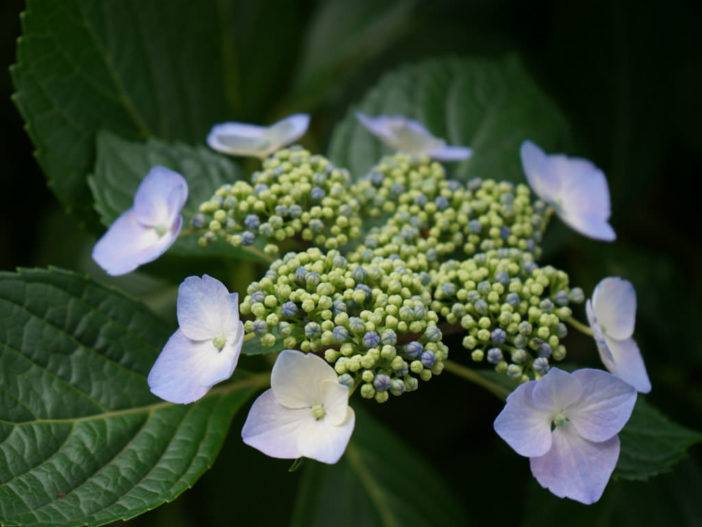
(268, 340)
(367, 391)
(477, 355)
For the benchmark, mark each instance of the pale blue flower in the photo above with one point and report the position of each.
(304, 414)
(241, 139)
(567, 425)
(408, 135)
(574, 187)
(149, 228)
(612, 314)
(205, 348)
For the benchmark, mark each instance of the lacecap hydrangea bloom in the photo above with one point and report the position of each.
(241, 139)
(305, 413)
(408, 135)
(149, 228)
(612, 314)
(574, 187)
(205, 348)
(567, 425)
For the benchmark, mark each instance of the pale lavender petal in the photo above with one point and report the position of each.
(224, 363)
(451, 153)
(185, 369)
(614, 304)
(598, 335)
(273, 429)
(556, 391)
(590, 225)
(160, 197)
(538, 172)
(628, 364)
(297, 378)
(127, 244)
(323, 441)
(605, 406)
(401, 133)
(205, 309)
(239, 139)
(336, 401)
(379, 126)
(576, 468)
(288, 130)
(524, 427)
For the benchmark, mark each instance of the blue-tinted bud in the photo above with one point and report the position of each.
(288, 309)
(432, 334)
(281, 210)
(441, 203)
(377, 178)
(473, 296)
(252, 221)
(389, 337)
(397, 387)
(312, 280)
(561, 330)
(530, 245)
(481, 306)
(199, 221)
(494, 355)
(432, 255)
(312, 329)
(316, 225)
(414, 349)
(420, 200)
(427, 359)
(540, 365)
(260, 188)
(371, 242)
(512, 299)
(346, 380)
(358, 274)
(530, 265)
(295, 211)
(340, 334)
(502, 278)
(453, 185)
(300, 274)
(339, 261)
(498, 336)
(318, 178)
(367, 290)
(356, 325)
(371, 339)
(504, 232)
(260, 327)
(519, 341)
(258, 297)
(419, 312)
(561, 298)
(519, 356)
(525, 328)
(577, 295)
(449, 288)
(317, 194)
(381, 382)
(424, 278)
(265, 229)
(247, 238)
(339, 307)
(475, 183)
(474, 226)
(546, 305)
(484, 287)
(544, 350)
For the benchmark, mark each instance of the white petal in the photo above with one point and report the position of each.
(127, 244)
(321, 440)
(205, 309)
(538, 173)
(239, 139)
(379, 126)
(451, 153)
(627, 363)
(614, 304)
(224, 363)
(556, 391)
(576, 468)
(273, 429)
(160, 197)
(590, 225)
(336, 401)
(287, 131)
(524, 427)
(297, 379)
(598, 335)
(185, 370)
(605, 406)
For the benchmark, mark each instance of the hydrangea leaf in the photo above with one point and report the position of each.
(651, 443)
(375, 484)
(83, 441)
(488, 105)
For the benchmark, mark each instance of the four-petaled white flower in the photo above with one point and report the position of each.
(612, 314)
(304, 414)
(205, 348)
(567, 424)
(574, 187)
(408, 135)
(241, 139)
(144, 232)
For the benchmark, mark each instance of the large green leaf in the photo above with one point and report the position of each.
(378, 482)
(82, 440)
(651, 443)
(486, 104)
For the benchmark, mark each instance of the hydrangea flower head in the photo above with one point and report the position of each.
(305, 413)
(567, 425)
(574, 187)
(408, 135)
(241, 139)
(149, 228)
(205, 348)
(612, 314)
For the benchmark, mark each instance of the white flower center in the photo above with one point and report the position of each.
(219, 342)
(318, 411)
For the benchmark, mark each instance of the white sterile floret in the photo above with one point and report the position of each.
(241, 139)
(304, 414)
(574, 187)
(612, 314)
(205, 348)
(149, 228)
(408, 135)
(567, 425)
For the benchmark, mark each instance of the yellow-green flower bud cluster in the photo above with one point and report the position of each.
(373, 321)
(296, 194)
(433, 218)
(512, 310)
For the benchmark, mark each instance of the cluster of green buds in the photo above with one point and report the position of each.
(296, 194)
(373, 321)
(513, 311)
(433, 218)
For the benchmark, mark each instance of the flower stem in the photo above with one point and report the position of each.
(579, 326)
(474, 377)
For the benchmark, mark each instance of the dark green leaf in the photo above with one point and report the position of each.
(83, 441)
(489, 105)
(379, 482)
(651, 443)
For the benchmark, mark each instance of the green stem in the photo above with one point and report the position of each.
(474, 377)
(580, 326)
